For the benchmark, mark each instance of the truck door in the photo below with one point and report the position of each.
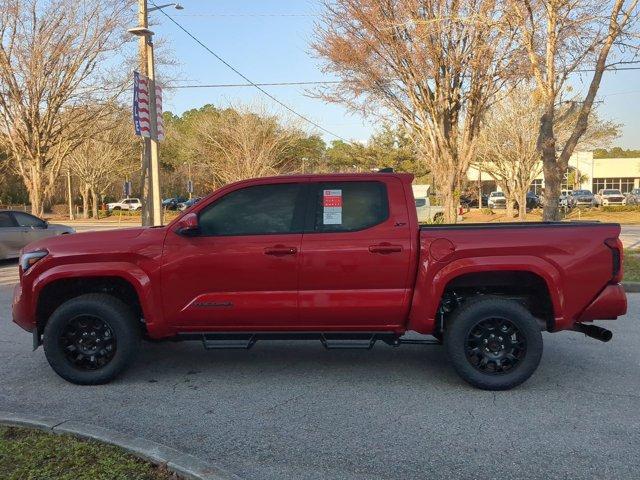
(356, 256)
(241, 270)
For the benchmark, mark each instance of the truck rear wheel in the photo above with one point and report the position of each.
(90, 339)
(493, 344)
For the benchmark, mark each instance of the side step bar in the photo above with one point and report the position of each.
(329, 340)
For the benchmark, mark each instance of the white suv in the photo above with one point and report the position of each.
(125, 204)
(609, 196)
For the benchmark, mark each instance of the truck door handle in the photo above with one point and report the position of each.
(280, 250)
(385, 248)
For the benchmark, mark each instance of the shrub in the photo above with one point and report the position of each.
(60, 209)
(621, 208)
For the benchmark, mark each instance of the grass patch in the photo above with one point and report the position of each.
(34, 454)
(632, 265)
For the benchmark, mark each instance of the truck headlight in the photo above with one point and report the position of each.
(29, 259)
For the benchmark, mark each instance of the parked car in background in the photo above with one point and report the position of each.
(428, 213)
(532, 201)
(581, 198)
(633, 197)
(18, 229)
(172, 203)
(497, 200)
(471, 200)
(132, 204)
(609, 196)
(184, 205)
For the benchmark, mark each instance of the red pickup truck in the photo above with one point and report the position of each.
(339, 258)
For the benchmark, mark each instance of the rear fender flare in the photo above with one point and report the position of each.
(430, 287)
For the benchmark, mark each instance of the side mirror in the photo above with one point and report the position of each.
(188, 225)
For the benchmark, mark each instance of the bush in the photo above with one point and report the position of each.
(621, 208)
(60, 209)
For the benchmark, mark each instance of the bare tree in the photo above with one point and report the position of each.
(54, 81)
(563, 38)
(105, 158)
(434, 64)
(237, 144)
(508, 148)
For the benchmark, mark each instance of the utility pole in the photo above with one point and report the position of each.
(153, 114)
(146, 185)
(151, 205)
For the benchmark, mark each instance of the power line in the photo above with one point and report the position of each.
(274, 84)
(231, 67)
(247, 15)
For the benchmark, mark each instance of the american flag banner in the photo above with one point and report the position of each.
(141, 113)
(159, 120)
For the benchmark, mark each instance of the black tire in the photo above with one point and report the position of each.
(104, 317)
(493, 344)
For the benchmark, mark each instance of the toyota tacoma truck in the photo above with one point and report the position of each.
(338, 258)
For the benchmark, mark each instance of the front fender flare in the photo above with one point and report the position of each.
(126, 271)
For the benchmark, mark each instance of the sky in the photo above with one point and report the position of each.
(269, 41)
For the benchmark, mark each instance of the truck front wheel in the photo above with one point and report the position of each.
(89, 339)
(494, 344)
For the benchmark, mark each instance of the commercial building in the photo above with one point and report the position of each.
(592, 174)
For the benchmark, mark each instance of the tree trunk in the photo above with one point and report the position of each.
(85, 202)
(551, 167)
(35, 194)
(522, 207)
(94, 206)
(509, 206)
(552, 187)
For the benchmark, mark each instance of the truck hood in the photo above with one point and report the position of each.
(88, 242)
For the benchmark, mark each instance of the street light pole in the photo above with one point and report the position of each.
(147, 186)
(152, 207)
(153, 114)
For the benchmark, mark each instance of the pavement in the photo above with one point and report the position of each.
(286, 410)
(630, 236)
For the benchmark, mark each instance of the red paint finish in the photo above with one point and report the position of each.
(389, 276)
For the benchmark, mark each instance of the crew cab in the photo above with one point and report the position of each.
(339, 258)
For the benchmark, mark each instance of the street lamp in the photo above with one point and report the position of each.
(177, 6)
(152, 214)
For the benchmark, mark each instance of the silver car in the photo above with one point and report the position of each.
(18, 229)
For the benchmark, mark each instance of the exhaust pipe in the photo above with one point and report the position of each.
(594, 331)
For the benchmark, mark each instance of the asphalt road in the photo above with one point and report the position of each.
(630, 236)
(288, 410)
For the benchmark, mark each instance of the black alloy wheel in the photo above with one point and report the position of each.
(493, 343)
(88, 342)
(495, 346)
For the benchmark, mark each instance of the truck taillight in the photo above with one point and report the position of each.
(615, 245)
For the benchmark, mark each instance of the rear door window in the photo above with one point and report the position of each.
(348, 206)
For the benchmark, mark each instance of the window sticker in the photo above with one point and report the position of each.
(332, 207)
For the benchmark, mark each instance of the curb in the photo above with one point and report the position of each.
(631, 287)
(183, 464)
